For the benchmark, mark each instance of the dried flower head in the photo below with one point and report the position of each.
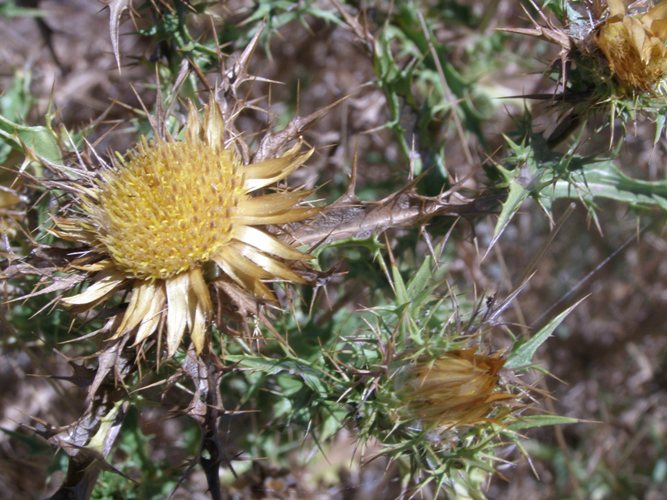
(169, 216)
(635, 45)
(457, 388)
(9, 199)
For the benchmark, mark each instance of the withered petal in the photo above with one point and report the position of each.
(177, 310)
(267, 243)
(267, 172)
(152, 319)
(105, 283)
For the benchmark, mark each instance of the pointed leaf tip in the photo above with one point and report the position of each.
(116, 9)
(522, 354)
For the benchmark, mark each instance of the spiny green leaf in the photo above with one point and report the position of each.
(16, 100)
(421, 280)
(659, 127)
(41, 142)
(605, 180)
(532, 421)
(516, 195)
(311, 377)
(401, 291)
(522, 355)
(38, 141)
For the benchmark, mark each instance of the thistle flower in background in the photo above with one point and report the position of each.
(457, 388)
(8, 201)
(634, 46)
(170, 217)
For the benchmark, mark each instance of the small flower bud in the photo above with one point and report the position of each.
(457, 388)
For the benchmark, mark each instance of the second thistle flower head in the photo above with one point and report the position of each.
(9, 199)
(634, 46)
(171, 213)
(457, 388)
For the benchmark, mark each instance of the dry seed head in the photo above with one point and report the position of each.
(457, 388)
(634, 46)
(9, 199)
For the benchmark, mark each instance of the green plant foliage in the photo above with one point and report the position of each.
(547, 176)
(38, 142)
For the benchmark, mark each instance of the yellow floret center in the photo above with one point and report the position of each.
(168, 207)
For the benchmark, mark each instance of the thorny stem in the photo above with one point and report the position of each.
(211, 439)
(342, 221)
(205, 409)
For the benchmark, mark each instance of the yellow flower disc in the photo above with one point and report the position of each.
(168, 207)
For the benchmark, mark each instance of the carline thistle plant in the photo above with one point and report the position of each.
(172, 218)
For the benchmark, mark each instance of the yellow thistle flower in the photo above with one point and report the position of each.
(635, 45)
(457, 388)
(172, 214)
